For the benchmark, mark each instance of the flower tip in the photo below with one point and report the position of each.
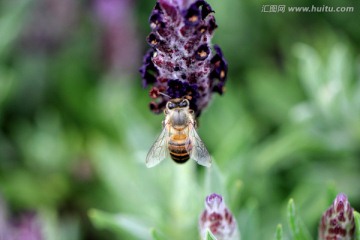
(214, 200)
(340, 201)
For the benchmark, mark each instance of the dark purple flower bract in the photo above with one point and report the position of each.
(181, 61)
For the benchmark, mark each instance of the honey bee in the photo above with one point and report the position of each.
(178, 138)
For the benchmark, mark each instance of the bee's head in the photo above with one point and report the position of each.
(177, 103)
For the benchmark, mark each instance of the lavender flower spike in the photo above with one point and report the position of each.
(218, 219)
(27, 227)
(181, 62)
(338, 223)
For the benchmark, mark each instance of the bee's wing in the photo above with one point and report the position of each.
(198, 151)
(159, 149)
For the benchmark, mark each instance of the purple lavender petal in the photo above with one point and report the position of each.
(28, 228)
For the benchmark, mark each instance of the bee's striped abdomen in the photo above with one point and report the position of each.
(177, 148)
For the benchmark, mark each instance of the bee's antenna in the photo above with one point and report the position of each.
(164, 95)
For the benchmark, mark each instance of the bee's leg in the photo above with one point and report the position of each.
(194, 123)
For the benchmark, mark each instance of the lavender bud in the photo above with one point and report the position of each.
(118, 38)
(181, 62)
(218, 219)
(338, 223)
(62, 18)
(28, 228)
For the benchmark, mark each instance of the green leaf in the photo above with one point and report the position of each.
(120, 222)
(279, 232)
(12, 18)
(357, 225)
(156, 235)
(332, 192)
(310, 66)
(298, 229)
(209, 235)
(7, 82)
(235, 188)
(214, 181)
(249, 220)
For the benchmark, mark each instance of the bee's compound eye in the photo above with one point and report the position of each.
(184, 103)
(171, 105)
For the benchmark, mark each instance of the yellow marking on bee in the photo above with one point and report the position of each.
(179, 136)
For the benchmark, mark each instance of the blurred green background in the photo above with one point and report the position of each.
(75, 125)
